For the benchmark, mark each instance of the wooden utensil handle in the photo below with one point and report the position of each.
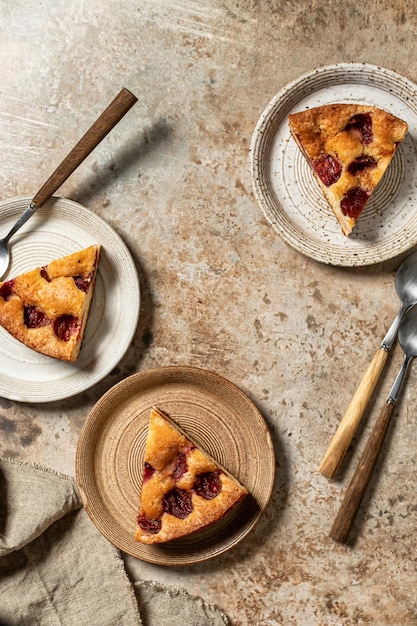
(101, 127)
(357, 486)
(347, 427)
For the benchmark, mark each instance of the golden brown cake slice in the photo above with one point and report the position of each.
(47, 308)
(349, 147)
(183, 489)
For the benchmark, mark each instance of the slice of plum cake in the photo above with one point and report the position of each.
(47, 308)
(183, 490)
(349, 148)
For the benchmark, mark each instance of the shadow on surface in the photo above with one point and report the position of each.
(124, 160)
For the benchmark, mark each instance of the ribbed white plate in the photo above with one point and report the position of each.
(61, 227)
(288, 193)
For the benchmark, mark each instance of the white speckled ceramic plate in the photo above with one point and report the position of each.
(58, 228)
(215, 413)
(290, 196)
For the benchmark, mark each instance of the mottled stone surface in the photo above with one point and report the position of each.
(220, 290)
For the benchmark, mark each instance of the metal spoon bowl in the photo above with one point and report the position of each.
(96, 133)
(407, 338)
(406, 287)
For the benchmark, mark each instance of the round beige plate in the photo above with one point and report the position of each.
(61, 227)
(215, 413)
(290, 196)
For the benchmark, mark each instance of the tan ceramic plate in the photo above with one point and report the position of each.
(215, 413)
(290, 196)
(61, 227)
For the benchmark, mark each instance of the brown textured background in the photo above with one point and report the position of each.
(219, 288)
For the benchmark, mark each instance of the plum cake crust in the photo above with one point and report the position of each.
(184, 490)
(348, 147)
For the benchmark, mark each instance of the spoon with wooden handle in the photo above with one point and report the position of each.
(101, 127)
(407, 338)
(406, 286)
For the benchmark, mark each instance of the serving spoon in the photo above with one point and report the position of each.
(90, 140)
(406, 287)
(407, 338)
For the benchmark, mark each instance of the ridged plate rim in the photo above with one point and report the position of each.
(288, 194)
(217, 414)
(62, 226)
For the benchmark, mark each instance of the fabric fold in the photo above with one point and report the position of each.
(31, 499)
(169, 606)
(56, 569)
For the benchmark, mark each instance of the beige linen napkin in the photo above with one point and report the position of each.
(56, 569)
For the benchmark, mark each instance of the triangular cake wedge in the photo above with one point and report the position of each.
(47, 308)
(184, 489)
(349, 147)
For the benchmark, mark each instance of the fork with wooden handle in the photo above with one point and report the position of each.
(407, 335)
(406, 286)
(350, 421)
(360, 479)
(96, 133)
